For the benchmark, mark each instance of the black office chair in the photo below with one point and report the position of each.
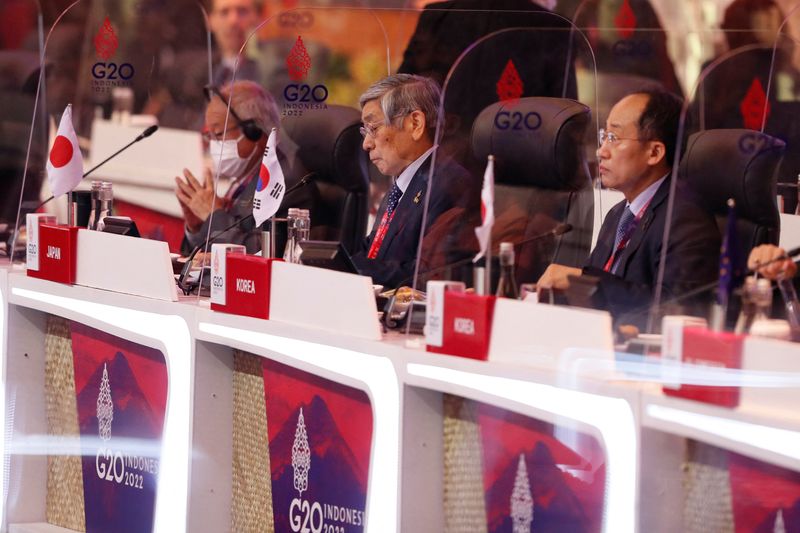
(329, 145)
(743, 165)
(541, 179)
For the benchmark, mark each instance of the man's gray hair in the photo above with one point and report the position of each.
(400, 94)
(251, 101)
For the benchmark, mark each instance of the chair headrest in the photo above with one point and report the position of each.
(329, 144)
(735, 163)
(536, 141)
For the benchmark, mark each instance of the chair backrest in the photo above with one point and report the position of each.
(541, 179)
(743, 165)
(329, 145)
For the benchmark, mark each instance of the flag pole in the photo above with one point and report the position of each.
(487, 282)
(488, 257)
(727, 273)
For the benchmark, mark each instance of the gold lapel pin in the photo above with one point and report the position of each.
(417, 197)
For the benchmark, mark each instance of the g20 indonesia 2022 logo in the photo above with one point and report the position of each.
(117, 466)
(300, 96)
(509, 90)
(106, 73)
(306, 515)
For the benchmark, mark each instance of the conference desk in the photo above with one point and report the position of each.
(386, 436)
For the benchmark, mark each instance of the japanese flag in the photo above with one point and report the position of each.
(484, 231)
(65, 164)
(271, 185)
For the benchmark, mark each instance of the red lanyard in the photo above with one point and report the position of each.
(380, 234)
(623, 243)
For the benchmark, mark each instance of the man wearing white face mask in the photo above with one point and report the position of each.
(238, 152)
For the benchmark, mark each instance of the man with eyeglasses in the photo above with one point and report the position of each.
(237, 151)
(399, 115)
(635, 156)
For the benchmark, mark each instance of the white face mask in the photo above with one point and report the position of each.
(230, 164)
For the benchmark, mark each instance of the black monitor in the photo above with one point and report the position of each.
(327, 254)
(120, 226)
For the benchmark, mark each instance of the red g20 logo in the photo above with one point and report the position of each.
(301, 96)
(109, 73)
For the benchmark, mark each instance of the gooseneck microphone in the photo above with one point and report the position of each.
(790, 254)
(146, 133)
(557, 231)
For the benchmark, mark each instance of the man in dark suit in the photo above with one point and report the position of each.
(253, 115)
(636, 152)
(400, 115)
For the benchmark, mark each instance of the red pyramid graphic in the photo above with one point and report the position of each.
(105, 41)
(509, 86)
(752, 106)
(298, 62)
(625, 21)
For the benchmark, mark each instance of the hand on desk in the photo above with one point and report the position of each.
(777, 270)
(196, 199)
(557, 277)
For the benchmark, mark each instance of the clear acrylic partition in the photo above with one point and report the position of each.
(707, 379)
(20, 48)
(123, 69)
(780, 119)
(513, 94)
(315, 66)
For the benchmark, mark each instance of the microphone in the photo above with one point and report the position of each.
(187, 267)
(390, 322)
(709, 286)
(146, 133)
(557, 231)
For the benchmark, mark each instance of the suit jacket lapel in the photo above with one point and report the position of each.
(605, 239)
(644, 224)
(406, 206)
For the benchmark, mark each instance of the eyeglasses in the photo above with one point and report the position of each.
(611, 137)
(369, 130)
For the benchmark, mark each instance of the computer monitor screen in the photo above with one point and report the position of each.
(327, 254)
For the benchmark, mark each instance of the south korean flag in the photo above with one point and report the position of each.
(271, 185)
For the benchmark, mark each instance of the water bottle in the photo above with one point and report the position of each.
(290, 251)
(762, 300)
(748, 311)
(102, 204)
(507, 286)
(790, 301)
(302, 231)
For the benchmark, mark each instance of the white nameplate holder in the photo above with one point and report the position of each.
(324, 299)
(219, 262)
(32, 225)
(533, 334)
(130, 265)
(773, 368)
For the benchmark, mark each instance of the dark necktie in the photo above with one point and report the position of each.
(624, 223)
(394, 198)
(623, 233)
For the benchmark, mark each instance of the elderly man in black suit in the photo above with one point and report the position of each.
(400, 114)
(238, 150)
(636, 152)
